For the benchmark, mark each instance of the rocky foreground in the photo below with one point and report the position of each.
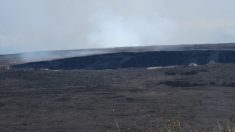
(137, 98)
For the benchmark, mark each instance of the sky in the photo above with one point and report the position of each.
(36, 25)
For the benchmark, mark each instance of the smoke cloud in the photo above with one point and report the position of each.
(34, 25)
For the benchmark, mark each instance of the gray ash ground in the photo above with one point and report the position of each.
(83, 100)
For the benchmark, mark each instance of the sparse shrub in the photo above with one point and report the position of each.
(176, 125)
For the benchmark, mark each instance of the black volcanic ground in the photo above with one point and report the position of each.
(135, 60)
(12, 59)
(83, 100)
(78, 90)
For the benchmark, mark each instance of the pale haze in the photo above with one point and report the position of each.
(35, 25)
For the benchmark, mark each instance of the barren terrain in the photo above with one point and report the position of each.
(84, 100)
(21, 58)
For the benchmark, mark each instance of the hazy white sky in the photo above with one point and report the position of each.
(29, 25)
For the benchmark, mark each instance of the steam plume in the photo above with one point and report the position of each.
(29, 25)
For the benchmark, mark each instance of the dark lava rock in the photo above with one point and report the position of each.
(135, 60)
